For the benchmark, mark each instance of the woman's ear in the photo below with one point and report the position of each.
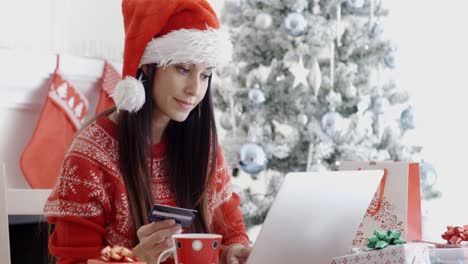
(144, 68)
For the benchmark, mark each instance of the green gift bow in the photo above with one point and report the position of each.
(381, 239)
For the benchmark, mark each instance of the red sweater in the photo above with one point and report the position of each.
(89, 204)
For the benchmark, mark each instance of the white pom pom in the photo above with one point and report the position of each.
(129, 94)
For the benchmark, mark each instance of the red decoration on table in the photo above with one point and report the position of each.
(456, 234)
(118, 254)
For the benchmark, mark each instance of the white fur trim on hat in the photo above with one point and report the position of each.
(129, 94)
(211, 46)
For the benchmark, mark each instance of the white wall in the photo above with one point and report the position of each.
(432, 65)
(85, 28)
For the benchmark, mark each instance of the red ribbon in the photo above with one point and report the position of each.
(118, 254)
(456, 234)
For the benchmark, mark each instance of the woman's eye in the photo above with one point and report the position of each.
(184, 70)
(206, 76)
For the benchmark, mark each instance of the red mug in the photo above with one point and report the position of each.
(194, 249)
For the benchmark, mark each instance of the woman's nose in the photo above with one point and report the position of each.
(194, 86)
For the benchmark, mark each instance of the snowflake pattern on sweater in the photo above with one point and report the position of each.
(90, 185)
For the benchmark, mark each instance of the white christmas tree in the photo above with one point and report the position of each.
(311, 85)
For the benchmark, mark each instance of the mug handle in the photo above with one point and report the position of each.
(165, 252)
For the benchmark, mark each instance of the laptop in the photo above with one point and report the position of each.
(315, 216)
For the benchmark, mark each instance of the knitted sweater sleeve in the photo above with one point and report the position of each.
(76, 209)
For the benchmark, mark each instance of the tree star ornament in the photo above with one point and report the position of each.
(300, 73)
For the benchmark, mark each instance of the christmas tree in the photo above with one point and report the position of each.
(311, 85)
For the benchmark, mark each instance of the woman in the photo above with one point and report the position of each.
(158, 146)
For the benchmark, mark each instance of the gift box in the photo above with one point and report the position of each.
(98, 261)
(116, 255)
(448, 255)
(411, 253)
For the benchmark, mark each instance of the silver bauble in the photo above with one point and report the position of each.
(302, 119)
(380, 105)
(256, 96)
(252, 158)
(376, 30)
(427, 174)
(295, 24)
(225, 121)
(407, 118)
(332, 123)
(263, 21)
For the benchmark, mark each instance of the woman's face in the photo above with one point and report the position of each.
(178, 88)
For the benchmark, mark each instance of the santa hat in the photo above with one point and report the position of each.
(167, 32)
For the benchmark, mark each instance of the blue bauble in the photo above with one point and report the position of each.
(295, 24)
(332, 123)
(380, 105)
(252, 158)
(256, 96)
(389, 60)
(407, 118)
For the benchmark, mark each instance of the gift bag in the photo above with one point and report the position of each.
(396, 203)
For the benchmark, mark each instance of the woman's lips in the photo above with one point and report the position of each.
(184, 104)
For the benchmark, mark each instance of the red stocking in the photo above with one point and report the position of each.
(62, 115)
(109, 81)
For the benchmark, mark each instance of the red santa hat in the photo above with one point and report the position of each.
(167, 32)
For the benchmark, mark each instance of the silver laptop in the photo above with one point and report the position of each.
(315, 216)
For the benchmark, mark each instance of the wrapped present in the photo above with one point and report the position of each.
(410, 253)
(99, 261)
(448, 255)
(116, 255)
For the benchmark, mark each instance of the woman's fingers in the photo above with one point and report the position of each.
(244, 252)
(161, 235)
(149, 229)
(155, 238)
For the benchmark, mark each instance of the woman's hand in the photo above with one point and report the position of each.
(235, 254)
(154, 239)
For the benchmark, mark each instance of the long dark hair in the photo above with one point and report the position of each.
(191, 155)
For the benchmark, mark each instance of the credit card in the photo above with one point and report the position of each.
(182, 216)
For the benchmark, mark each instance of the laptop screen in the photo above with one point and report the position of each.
(315, 216)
